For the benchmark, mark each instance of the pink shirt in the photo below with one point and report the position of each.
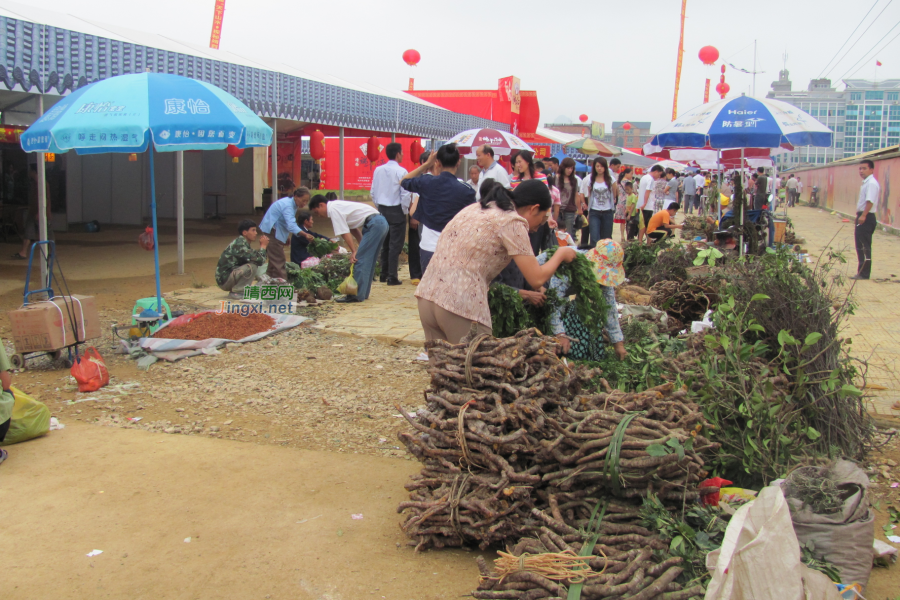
(472, 250)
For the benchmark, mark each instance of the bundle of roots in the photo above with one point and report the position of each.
(506, 430)
(552, 560)
(685, 300)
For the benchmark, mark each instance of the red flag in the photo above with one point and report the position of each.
(218, 16)
(877, 63)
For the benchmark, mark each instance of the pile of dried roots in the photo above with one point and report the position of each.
(506, 430)
(686, 300)
(618, 565)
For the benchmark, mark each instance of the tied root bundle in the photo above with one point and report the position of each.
(557, 557)
(506, 430)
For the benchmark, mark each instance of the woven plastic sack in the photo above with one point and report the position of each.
(760, 557)
(310, 262)
(349, 287)
(30, 419)
(90, 371)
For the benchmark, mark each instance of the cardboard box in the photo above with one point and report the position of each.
(47, 326)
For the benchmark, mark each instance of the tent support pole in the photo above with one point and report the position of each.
(159, 308)
(179, 207)
(274, 147)
(393, 137)
(42, 200)
(341, 161)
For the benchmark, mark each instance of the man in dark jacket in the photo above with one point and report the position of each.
(300, 241)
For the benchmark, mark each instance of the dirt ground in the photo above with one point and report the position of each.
(268, 518)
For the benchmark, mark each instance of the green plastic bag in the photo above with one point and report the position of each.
(30, 419)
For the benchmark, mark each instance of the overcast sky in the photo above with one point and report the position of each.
(609, 60)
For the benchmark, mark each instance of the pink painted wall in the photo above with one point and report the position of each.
(839, 188)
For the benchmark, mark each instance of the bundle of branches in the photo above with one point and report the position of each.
(697, 225)
(799, 312)
(637, 261)
(558, 561)
(671, 264)
(814, 488)
(505, 431)
(686, 300)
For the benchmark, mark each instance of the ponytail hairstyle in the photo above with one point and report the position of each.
(484, 189)
(607, 179)
(623, 173)
(528, 193)
(528, 157)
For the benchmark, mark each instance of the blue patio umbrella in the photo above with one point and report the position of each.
(126, 113)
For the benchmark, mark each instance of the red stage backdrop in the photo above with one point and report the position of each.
(357, 168)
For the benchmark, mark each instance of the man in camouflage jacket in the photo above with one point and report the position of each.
(238, 263)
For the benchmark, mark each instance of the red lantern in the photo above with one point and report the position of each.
(708, 55)
(626, 126)
(411, 57)
(234, 152)
(372, 149)
(415, 151)
(722, 89)
(317, 145)
(583, 118)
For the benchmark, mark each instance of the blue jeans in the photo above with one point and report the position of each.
(601, 225)
(424, 258)
(373, 234)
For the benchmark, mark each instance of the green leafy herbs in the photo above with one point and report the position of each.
(334, 270)
(304, 279)
(691, 535)
(708, 256)
(589, 302)
(508, 314)
(319, 247)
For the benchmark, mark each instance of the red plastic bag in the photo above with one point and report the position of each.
(90, 371)
(146, 239)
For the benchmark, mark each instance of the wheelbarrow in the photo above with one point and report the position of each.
(64, 356)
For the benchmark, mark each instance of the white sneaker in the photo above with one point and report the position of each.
(423, 357)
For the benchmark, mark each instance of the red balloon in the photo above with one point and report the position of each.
(373, 150)
(233, 151)
(626, 126)
(411, 57)
(415, 151)
(583, 118)
(708, 55)
(317, 145)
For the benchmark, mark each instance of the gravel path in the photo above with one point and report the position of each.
(303, 388)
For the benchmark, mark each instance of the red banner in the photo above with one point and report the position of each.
(218, 15)
(541, 152)
(357, 168)
(10, 135)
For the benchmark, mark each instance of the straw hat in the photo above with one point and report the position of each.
(607, 259)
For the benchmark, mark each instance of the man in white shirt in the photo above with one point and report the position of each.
(791, 186)
(645, 196)
(799, 189)
(490, 169)
(869, 192)
(392, 202)
(363, 230)
(474, 177)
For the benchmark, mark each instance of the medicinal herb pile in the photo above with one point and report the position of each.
(227, 326)
(589, 302)
(319, 247)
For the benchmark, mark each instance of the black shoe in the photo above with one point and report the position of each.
(858, 277)
(348, 299)
(383, 278)
(394, 281)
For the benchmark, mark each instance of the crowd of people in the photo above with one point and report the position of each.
(462, 236)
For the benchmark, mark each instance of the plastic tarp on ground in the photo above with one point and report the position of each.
(173, 350)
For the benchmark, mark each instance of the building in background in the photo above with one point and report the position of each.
(632, 137)
(864, 116)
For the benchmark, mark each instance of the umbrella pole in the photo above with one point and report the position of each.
(719, 199)
(159, 307)
(743, 201)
